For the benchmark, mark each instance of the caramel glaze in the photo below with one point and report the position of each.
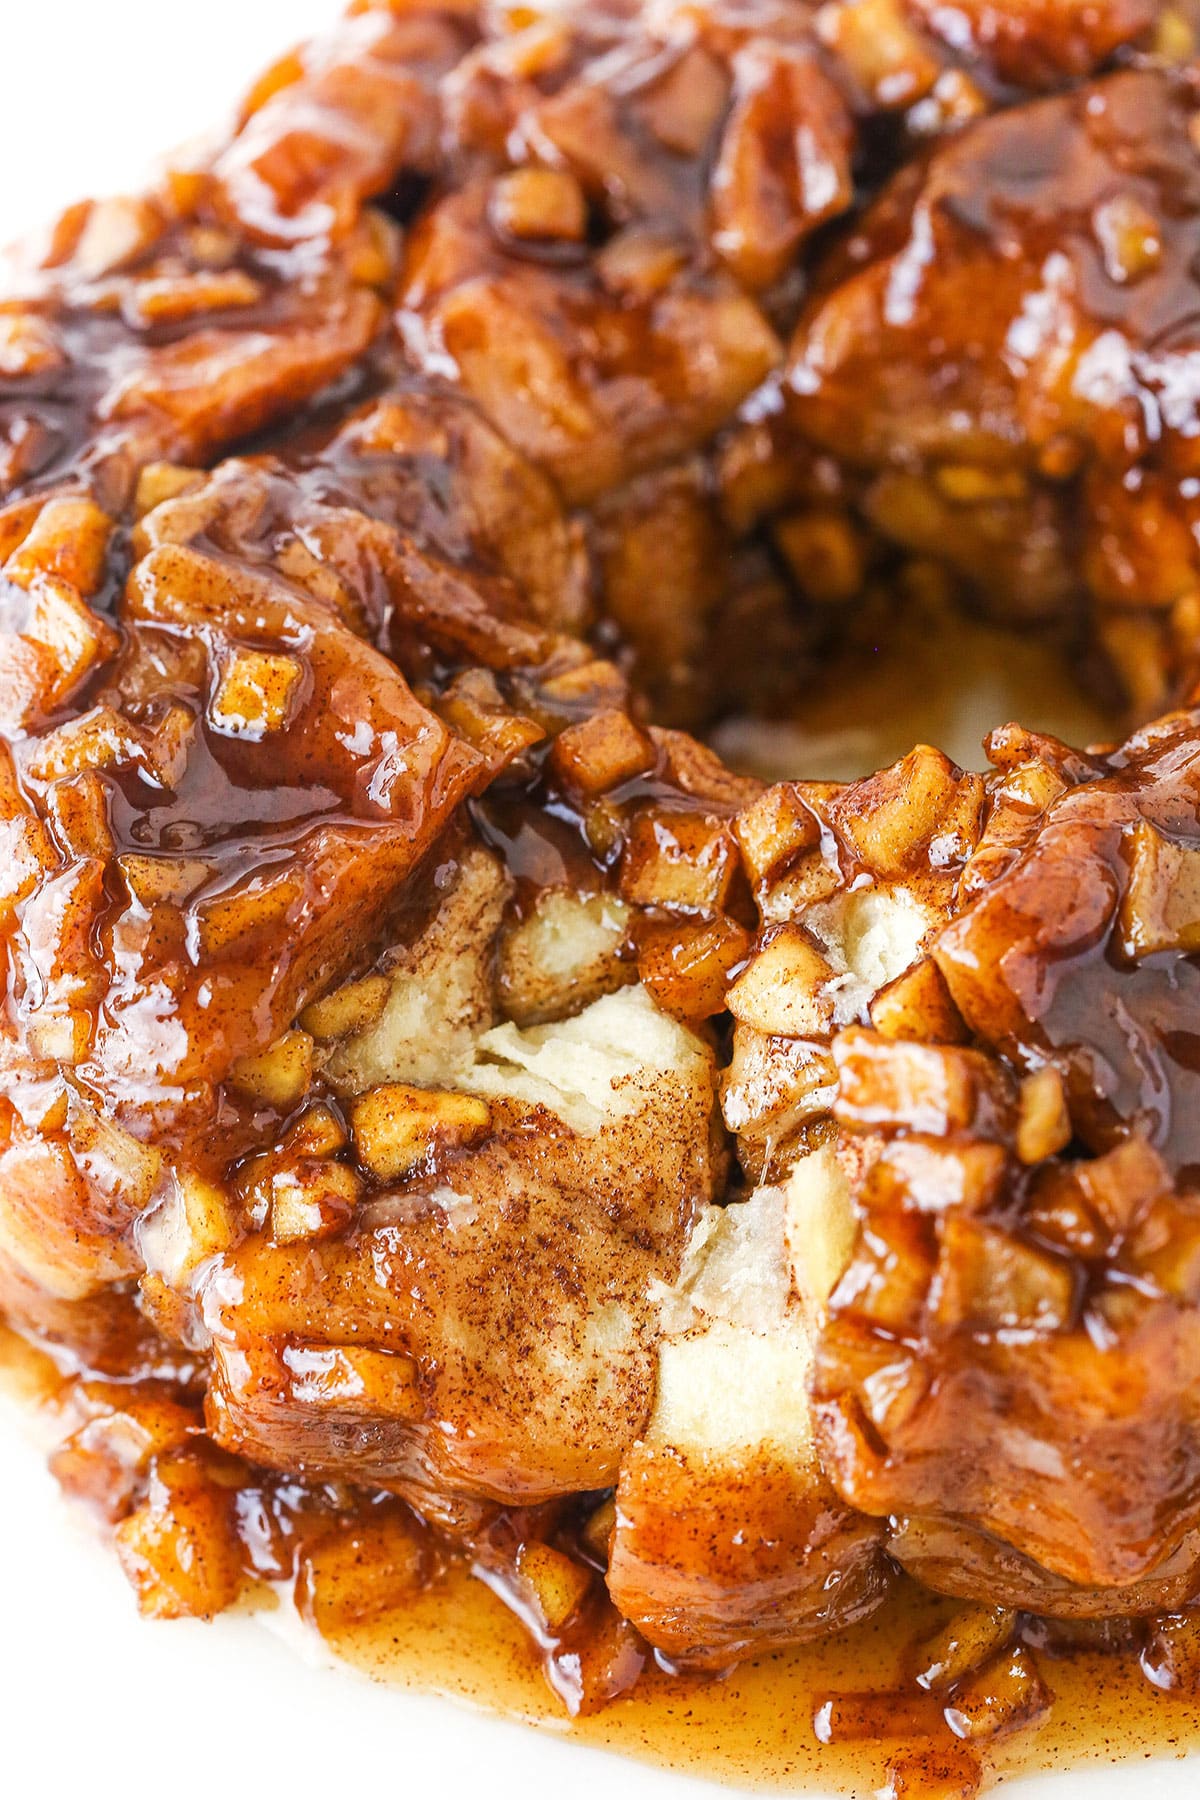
(333, 536)
(350, 1557)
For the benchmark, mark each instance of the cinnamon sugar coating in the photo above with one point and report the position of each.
(444, 1112)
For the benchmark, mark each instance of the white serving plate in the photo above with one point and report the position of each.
(92, 1699)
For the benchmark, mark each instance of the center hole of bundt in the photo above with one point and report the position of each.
(923, 669)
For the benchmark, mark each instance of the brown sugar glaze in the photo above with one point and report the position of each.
(460, 1631)
(446, 1602)
(755, 1727)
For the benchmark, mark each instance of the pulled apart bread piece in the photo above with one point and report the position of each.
(628, 240)
(997, 976)
(729, 1538)
(477, 1315)
(194, 852)
(1001, 350)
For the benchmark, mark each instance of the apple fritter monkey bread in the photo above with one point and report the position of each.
(444, 1112)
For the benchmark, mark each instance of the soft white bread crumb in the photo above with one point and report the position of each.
(440, 996)
(596, 1066)
(869, 937)
(733, 1370)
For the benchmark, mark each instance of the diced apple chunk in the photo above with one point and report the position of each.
(566, 953)
(598, 1530)
(256, 693)
(888, 1282)
(972, 1636)
(114, 1160)
(474, 707)
(160, 481)
(936, 1174)
(279, 1076)
(26, 854)
(171, 299)
(687, 964)
(180, 1548)
(29, 345)
(103, 738)
(990, 1281)
(827, 554)
(682, 860)
(773, 1089)
(194, 1222)
(938, 1772)
(783, 992)
(1120, 1186)
(1043, 1122)
(57, 644)
(930, 1088)
(917, 1004)
(398, 1127)
(1161, 906)
(348, 1010)
(61, 1037)
(68, 542)
(228, 923)
(79, 813)
(317, 1132)
(115, 232)
(364, 1566)
(774, 831)
(1003, 1696)
(162, 880)
(819, 1223)
(546, 204)
(602, 752)
(891, 817)
(312, 1199)
(559, 1584)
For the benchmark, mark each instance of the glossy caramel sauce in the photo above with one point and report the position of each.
(754, 1728)
(844, 1714)
(760, 1726)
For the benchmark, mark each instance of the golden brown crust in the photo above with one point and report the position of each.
(710, 1575)
(1036, 247)
(1005, 1354)
(388, 986)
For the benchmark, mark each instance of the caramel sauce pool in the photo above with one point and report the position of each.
(754, 1729)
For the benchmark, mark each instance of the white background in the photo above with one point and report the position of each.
(95, 90)
(92, 1700)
